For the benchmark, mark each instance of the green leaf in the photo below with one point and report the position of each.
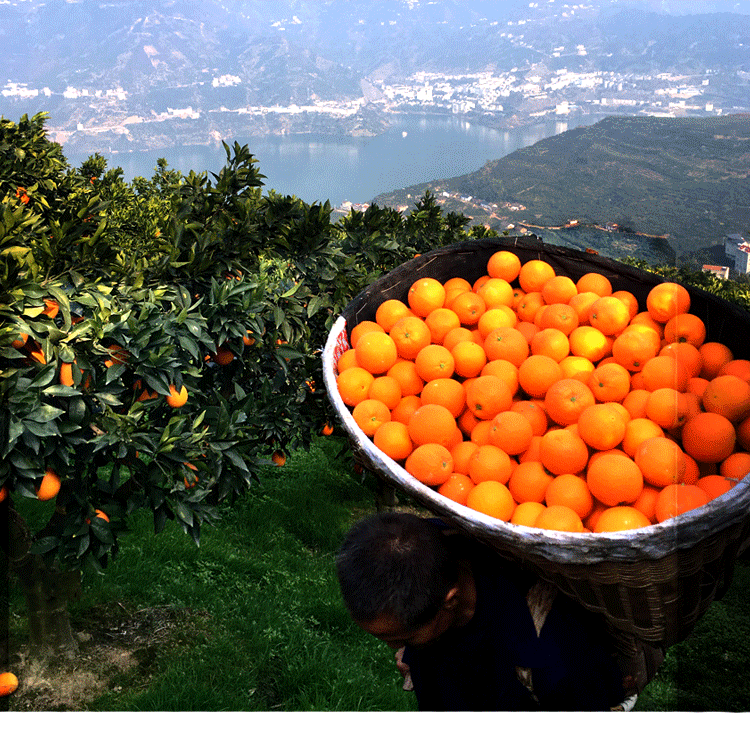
(45, 376)
(45, 412)
(44, 545)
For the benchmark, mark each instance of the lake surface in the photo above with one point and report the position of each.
(416, 149)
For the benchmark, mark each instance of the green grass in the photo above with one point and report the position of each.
(263, 628)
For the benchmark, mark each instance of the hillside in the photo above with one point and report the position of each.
(686, 179)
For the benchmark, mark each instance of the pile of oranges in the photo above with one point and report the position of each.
(550, 402)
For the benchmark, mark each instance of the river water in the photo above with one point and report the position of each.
(416, 149)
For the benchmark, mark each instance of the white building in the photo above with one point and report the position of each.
(738, 249)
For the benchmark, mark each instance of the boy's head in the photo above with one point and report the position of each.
(398, 577)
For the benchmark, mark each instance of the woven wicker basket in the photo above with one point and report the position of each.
(651, 584)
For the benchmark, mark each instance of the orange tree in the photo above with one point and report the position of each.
(158, 341)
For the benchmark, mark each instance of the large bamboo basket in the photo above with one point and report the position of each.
(651, 584)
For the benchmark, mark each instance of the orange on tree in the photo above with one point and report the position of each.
(177, 398)
(49, 486)
(51, 308)
(223, 356)
(279, 457)
(8, 683)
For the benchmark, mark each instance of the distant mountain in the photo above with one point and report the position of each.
(687, 179)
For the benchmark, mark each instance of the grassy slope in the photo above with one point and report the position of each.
(268, 631)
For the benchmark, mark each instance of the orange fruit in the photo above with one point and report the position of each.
(49, 486)
(503, 369)
(529, 481)
(511, 431)
(736, 466)
(434, 361)
(479, 282)
(389, 312)
(495, 291)
(425, 295)
(387, 390)
(406, 408)
(715, 485)
(469, 358)
(562, 451)
(467, 422)
(609, 315)
(589, 342)
(614, 479)
(581, 303)
(66, 374)
(738, 367)
(533, 274)
(635, 403)
(667, 407)
(447, 392)
(405, 373)
(51, 307)
(457, 335)
(558, 289)
(743, 433)
(457, 283)
(709, 437)
(8, 683)
(462, 453)
(489, 462)
(410, 334)
(457, 487)
(609, 382)
(354, 385)
(566, 399)
(628, 299)
(638, 430)
(501, 316)
(469, 306)
(279, 458)
(480, 432)
(362, 328)
(504, 264)
(534, 412)
(559, 518)
(646, 502)
(392, 438)
(664, 371)
(526, 513)
(177, 398)
(577, 367)
(488, 395)
(528, 306)
(223, 356)
(601, 427)
(661, 460)
(686, 354)
(621, 518)
(376, 352)
(697, 386)
(431, 464)
(570, 490)
(714, 356)
(537, 374)
(118, 355)
(492, 498)
(729, 396)
(685, 328)
(508, 344)
(632, 349)
(550, 342)
(346, 360)
(440, 322)
(432, 424)
(677, 499)
(369, 414)
(667, 299)
(560, 316)
(594, 282)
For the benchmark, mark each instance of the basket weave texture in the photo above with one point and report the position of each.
(651, 584)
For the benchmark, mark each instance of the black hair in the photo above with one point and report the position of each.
(395, 564)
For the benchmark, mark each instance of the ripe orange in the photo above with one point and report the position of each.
(51, 307)
(118, 355)
(489, 463)
(503, 369)
(729, 396)
(8, 683)
(566, 399)
(743, 433)
(529, 481)
(469, 306)
(389, 312)
(738, 366)
(668, 408)
(664, 371)
(386, 389)
(405, 373)
(362, 328)
(488, 395)
(609, 382)
(376, 352)
(709, 437)
(66, 374)
(594, 282)
(576, 367)
(677, 499)
(410, 334)
(495, 291)
(713, 357)
(462, 453)
(440, 322)
(638, 430)
(614, 479)
(559, 518)
(628, 299)
(558, 289)
(354, 385)
(581, 303)
(534, 412)
(526, 513)
(346, 360)
(505, 265)
(528, 306)
(178, 398)
(686, 354)
(369, 414)
(601, 427)
(508, 344)
(434, 361)
(563, 451)
(715, 485)
(589, 342)
(447, 392)
(621, 518)
(667, 299)
(570, 490)
(550, 342)
(537, 374)
(432, 424)
(736, 466)
(633, 348)
(511, 431)
(49, 486)
(425, 295)
(469, 358)
(457, 487)
(609, 315)
(392, 437)
(431, 464)
(560, 316)
(406, 408)
(501, 316)
(492, 498)
(533, 274)
(661, 460)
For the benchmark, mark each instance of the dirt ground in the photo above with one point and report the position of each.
(117, 647)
